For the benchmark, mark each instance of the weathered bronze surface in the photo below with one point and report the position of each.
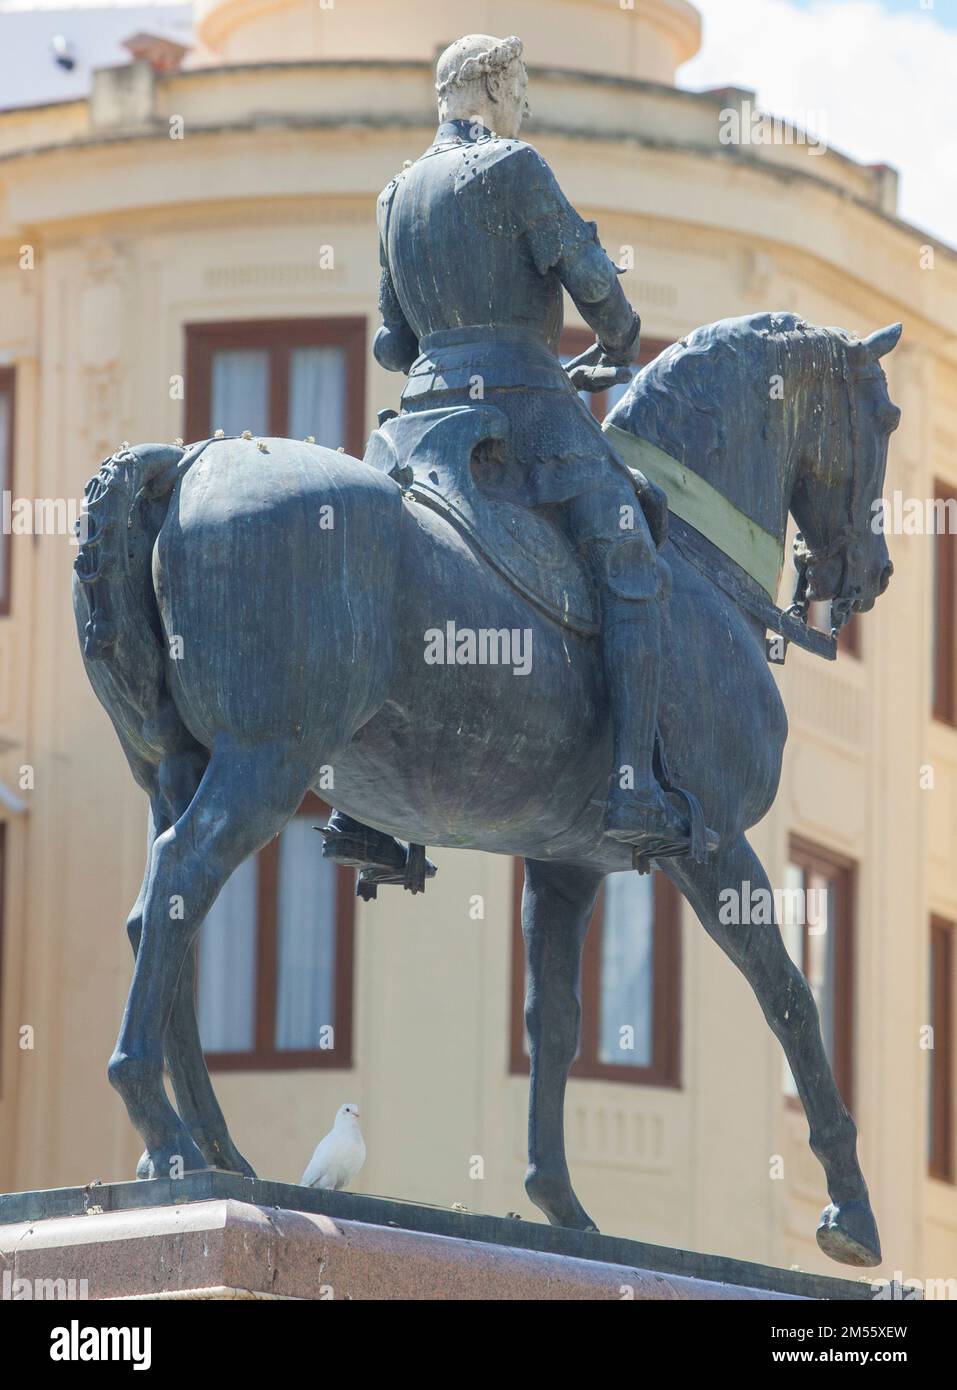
(495, 644)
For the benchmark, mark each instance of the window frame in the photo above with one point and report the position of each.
(944, 634)
(814, 858)
(264, 1054)
(8, 388)
(941, 1158)
(277, 337)
(665, 1068)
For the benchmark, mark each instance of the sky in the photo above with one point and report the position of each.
(29, 76)
(943, 10)
(877, 79)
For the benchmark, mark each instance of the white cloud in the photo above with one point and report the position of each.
(879, 87)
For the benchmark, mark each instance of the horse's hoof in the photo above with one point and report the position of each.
(848, 1233)
(553, 1195)
(228, 1159)
(171, 1163)
(239, 1165)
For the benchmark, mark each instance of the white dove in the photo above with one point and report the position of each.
(338, 1156)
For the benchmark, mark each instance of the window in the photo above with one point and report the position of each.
(630, 985)
(576, 340)
(944, 673)
(816, 926)
(287, 378)
(940, 1157)
(6, 477)
(275, 957)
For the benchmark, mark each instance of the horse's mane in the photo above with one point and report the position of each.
(718, 378)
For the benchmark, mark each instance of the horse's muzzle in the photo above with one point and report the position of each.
(864, 605)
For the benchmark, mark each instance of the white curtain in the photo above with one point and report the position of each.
(240, 391)
(820, 969)
(227, 965)
(627, 975)
(317, 395)
(307, 937)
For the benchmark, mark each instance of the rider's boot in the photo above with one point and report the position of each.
(356, 846)
(638, 812)
(379, 858)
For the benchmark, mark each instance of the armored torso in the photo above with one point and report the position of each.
(470, 232)
(477, 243)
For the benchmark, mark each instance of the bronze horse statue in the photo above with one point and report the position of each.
(239, 646)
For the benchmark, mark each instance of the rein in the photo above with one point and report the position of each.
(727, 576)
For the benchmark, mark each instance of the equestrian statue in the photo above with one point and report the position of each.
(242, 649)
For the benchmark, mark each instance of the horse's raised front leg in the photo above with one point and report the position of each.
(244, 799)
(848, 1231)
(557, 904)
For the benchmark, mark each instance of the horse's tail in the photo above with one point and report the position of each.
(103, 562)
(118, 620)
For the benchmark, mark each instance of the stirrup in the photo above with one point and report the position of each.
(650, 840)
(379, 859)
(704, 840)
(413, 876)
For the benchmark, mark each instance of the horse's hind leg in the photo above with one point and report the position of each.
(171, 788)
(195, 1097)
(245, 798)
(556, 908)
(848, 1231)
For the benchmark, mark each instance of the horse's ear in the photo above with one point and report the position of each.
(881, 342)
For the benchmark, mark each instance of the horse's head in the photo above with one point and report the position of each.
(841, 457)
(815, 444)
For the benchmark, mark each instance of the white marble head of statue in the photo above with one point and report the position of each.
(483, 79)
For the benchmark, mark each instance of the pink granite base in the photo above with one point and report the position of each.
(226, 1249)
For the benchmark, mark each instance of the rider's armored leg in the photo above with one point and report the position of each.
(631, 652)
(629, 579)
(637, 811)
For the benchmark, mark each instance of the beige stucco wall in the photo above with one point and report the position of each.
(136, 235)
(637, 38)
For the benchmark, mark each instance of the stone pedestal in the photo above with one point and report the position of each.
(217, 1236)
(228, 1249)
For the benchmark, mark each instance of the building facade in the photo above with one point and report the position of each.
(195, 249)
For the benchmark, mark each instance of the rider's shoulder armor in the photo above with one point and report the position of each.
(513, 161)
(511, 191)
(508, 182)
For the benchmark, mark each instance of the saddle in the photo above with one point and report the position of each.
(455, 460)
